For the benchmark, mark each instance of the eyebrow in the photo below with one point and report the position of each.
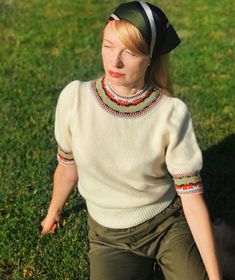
(108, 41)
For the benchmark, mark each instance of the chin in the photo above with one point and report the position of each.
(116, 81)
(224, 235)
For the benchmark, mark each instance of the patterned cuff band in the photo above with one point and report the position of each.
(188, 184)
(65, 158)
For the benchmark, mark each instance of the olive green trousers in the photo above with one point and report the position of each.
(131, 253)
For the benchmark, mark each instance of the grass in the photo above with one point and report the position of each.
(46, 44)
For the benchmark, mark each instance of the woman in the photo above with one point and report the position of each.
(132, 149)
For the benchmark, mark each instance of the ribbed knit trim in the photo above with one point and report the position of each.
(129, 217)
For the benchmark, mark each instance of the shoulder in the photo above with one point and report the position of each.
(74, 87)
(178, 114)
(176, 103)
(67, 97)
(70, 89)
(70, 96)
(177, 107)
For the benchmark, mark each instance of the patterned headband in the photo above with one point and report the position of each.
(153, 24)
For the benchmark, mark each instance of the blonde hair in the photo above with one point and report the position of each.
(158, 73)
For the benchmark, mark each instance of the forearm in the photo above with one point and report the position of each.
(197, 216)
(64, 180)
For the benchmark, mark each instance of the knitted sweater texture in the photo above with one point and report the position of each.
(132, 153)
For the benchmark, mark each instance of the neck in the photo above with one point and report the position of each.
(128, 91)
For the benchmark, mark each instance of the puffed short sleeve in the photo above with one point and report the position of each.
(183, 155)
(63, 116)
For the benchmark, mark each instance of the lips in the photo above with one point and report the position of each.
(115, 74)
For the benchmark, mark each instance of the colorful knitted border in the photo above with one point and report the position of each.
(126, 100)
(188, 184)
(65, 158)
(125, 107)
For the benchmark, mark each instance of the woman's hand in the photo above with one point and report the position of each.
(49, 224)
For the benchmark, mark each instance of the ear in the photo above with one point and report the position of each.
(149, 61)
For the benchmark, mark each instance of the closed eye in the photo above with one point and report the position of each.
(106, 46)
(131, 53)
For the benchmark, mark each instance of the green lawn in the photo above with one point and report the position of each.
(46, 44)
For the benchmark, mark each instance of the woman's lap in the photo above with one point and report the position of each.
(116, 264)
(130, 254)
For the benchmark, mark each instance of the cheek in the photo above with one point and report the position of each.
(139, 67)
(104, 58)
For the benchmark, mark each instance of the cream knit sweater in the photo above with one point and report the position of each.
(132, 153)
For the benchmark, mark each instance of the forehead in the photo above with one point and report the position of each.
(110, 33)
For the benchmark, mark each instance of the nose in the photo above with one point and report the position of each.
(117, 61)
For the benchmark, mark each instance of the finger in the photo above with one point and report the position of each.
(53, 229)
(45, 230)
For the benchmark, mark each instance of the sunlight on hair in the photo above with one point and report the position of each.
(158, 73)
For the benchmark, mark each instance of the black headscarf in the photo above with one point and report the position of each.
(153, 24)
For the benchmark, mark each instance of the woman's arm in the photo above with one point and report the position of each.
(65, 177)
(197, 216)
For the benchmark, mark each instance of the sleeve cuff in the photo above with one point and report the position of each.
(65, 158)
(186, 184)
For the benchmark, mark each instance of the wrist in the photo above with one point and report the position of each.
(55, 207)
(54, 211)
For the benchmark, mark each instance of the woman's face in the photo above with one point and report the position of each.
(122, 67)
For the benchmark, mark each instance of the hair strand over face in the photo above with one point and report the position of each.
(131, 37)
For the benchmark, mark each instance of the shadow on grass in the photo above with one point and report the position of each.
(218, 176)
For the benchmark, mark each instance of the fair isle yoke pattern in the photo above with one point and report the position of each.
(125, 107)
